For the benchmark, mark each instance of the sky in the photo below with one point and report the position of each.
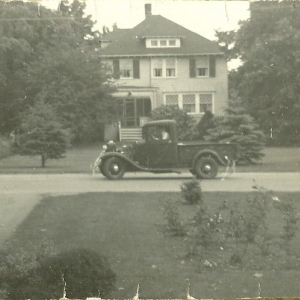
(202, 17)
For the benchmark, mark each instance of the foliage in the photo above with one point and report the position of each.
(174, 222)
(240, 233)
(5, 147)
(35, 276)
(237, 126)
(185, 123)
(249, 226)
(191, 191)
(206, 233)
(205, 123)
(43, 134)
(290, 218)
(267, 80)
(16, 264)
(56, 60)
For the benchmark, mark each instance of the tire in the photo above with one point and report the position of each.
(114, 168)
(101, 169)
(206, 168)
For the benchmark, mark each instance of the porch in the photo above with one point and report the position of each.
(133, 113)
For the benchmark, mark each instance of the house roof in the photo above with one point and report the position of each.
(130, 42)
(114, 35)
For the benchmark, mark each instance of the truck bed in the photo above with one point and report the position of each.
(187, 150)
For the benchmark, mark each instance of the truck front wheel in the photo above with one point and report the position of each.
(114, 168)
(206, 168)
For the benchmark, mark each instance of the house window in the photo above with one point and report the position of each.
(202, 67)
(170, 67)
(189, 103)
(157, 67)
(126, 68)
(172, 100)
(163, 68)
(172, 43)
(205, 103)
(162, 43)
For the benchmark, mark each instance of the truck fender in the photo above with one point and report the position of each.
(210, 153)
(128, 161)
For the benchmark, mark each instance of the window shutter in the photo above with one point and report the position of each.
(116, 69)
(136, 68)
(192, 67)
(212, 66)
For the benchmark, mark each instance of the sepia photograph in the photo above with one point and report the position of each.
(149, 149)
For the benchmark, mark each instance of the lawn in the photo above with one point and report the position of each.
(78, 160)
(128, 228)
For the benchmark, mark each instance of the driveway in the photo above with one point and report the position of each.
(20, 193)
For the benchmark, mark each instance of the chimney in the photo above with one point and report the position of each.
(147, 10)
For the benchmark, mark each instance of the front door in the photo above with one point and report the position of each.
(134, 108)
(129, 117)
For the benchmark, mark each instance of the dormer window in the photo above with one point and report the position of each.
(162, 42)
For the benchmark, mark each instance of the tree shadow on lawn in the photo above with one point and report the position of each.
(124, 228)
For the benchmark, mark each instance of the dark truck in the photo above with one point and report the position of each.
(160, 152)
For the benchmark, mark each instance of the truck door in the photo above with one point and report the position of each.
(161, 150)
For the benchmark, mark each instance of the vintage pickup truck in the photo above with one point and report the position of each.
(160, 152)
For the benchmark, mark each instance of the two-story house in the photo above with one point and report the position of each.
(159, 62)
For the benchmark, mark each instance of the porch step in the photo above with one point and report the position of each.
(130, 134)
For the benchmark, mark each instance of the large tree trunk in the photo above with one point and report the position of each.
(44, 157)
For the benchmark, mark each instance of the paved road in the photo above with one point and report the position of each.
(80, 183)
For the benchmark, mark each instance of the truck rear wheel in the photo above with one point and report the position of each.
(114, 168)
(206, 168)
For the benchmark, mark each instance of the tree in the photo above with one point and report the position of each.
(205, 123)
(185, 123)
(52, 55)
(237, 126)
(267, 80)
(43, 135)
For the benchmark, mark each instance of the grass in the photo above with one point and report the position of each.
(78, 160)
(126, 227)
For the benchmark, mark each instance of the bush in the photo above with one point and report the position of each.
(17, 263)
(191, 191)
(82, 273)
(174, 223)
(5, 147)
(186, 126)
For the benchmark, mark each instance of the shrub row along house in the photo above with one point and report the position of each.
(159, 62)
